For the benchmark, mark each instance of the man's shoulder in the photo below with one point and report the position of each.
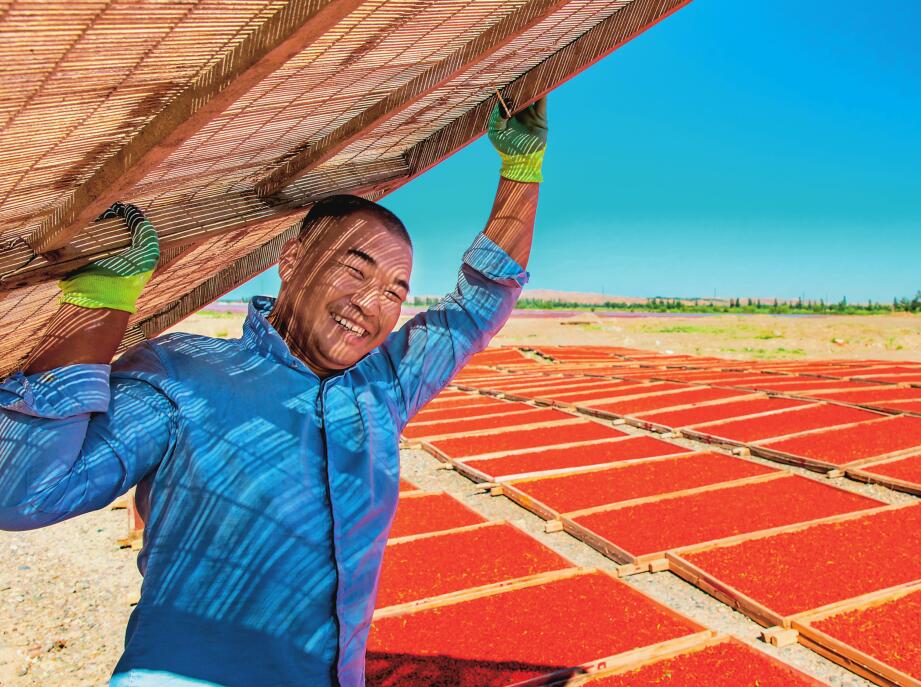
(176, 349)
(178, 341)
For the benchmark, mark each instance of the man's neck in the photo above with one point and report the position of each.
(279, 323)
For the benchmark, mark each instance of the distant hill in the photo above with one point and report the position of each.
(588, 298)
(578, 297)
(585, 298)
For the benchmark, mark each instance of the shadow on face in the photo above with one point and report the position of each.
(343, 285)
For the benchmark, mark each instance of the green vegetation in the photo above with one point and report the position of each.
(767, 352)
(733, 306)
(687, 329)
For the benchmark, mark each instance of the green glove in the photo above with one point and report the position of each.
(116, 282)
(521, 141)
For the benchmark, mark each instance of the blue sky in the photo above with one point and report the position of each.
(737, 148)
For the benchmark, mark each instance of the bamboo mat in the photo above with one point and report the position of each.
(226, 120)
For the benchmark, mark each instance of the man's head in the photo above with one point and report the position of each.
(344, 280)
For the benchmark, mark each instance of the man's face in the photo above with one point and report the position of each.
(342, 290)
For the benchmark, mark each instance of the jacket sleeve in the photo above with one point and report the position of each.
(74, 438)
(427, 351)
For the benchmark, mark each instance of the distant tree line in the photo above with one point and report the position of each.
(732, 305)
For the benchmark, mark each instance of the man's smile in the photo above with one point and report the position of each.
(350, 326)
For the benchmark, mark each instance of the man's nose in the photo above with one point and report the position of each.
(367, 299)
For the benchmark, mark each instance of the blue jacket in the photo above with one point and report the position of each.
(268, 493)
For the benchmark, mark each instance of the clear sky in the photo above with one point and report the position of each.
(768, 149)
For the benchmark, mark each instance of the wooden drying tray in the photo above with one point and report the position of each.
(817, 465)
(488, 411)
(637, 421)
(470, 592)
(848, 656)
(622, 661)
(509, 485)
(424, 441)
(701, 432)
(656, 561)
(610, 415)
(436, 452)
(575, 405)
(577, 384)
(223, 219)
(463, 466)
(732, 597)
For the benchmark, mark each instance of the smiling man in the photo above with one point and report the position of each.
(267, 467)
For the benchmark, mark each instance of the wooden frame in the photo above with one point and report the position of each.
(196, 221)
(279, 38)
(757, 448)
(863, 473)
(469, 592)
(731, 596)
(848, 656)
(694, 431)
(430, 448)
(715, 640)
(413, 442)
(290, 30)
(476, 475)
(589, 384)
(575, 405)
(610, 415)
(422, 441)
(638, 420)
(310, 154)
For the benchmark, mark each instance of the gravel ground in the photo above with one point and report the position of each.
(65, 597)
(66, 591)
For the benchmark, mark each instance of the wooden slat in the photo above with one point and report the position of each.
(222, 213)
(193, 222)
(289, 31)
(310, 154)
(226, 280)
(604, 38)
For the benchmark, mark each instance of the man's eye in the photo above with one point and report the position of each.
(394, 296)
(354, 271)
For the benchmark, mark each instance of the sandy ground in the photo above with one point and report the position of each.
(65, 598)
(761, 337)
(65, 592)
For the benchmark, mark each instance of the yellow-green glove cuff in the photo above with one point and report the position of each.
(525, 168)
(104, 291)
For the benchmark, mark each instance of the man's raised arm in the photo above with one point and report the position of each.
(433, 346)
(68, 442)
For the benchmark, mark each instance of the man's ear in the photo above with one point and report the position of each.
(288, 258)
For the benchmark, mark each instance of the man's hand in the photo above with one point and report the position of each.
(97, 301)
(521, 141)
(116, 282)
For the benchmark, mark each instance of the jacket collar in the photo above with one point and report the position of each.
(262, 338)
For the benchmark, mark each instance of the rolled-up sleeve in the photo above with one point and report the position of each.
(72, 440)
(427, 351)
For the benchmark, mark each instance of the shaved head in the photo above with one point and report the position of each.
(341, 206)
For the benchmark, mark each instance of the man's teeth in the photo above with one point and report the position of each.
(354, 328)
